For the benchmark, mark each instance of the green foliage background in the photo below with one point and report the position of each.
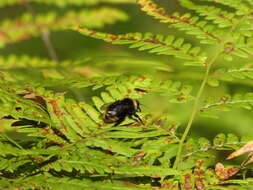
(52, 135)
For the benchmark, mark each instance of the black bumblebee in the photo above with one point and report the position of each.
(116, 112)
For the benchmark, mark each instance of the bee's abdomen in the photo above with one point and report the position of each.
(116, 110)
(110, 119)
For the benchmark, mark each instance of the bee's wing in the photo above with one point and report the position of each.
(105, 106)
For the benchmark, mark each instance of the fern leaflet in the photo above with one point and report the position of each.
(23, 27)
(155, 44)
(191, 24)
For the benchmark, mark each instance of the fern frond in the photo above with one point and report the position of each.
(155, 44)
(59, 183)
(242, 7)
(237, 41)
(64, 3)
(69, 73)
(119, 87)
(48, 73)
(193, 25)
(217, 15)
(97, 165)
(68, 117)
(61, 123)
(81, 152)
(226, 102)
(204, 177)
(152, 171)
(24, 27)
(220, 142)
(12, 164)
(79, 157)
(9, 149)
(78, 120)
(239, 46)
(231, 74)
(111, 145)
(79, 124)
(18, 107)
(163, 149)
(204, 151)
(24, 61)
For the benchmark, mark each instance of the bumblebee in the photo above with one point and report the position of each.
(116, 112)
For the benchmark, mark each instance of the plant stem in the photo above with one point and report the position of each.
(194, 109)
(200, 92)
(45, 35)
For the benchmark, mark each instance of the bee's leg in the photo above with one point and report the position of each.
(131, 117)
(138, 118)
(121, 119)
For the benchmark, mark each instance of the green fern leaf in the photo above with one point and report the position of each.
(240, 6)
(152, 171)
(24, 27)
(155, 44)
(220, 142)
(239, 46)
(64, 3)
(119, 87)
(163, 149)
(14, 104)
(234, 73)
(191, 24)
(226, 102)
(55, 183)
(83, 159)
(13, 61)
(77, 120)
(64, 113)
(217, 15)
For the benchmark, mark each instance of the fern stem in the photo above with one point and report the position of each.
(199, 94)
(195, 108)
(45, 35)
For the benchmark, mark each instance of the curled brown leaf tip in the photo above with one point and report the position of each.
(248, 147)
